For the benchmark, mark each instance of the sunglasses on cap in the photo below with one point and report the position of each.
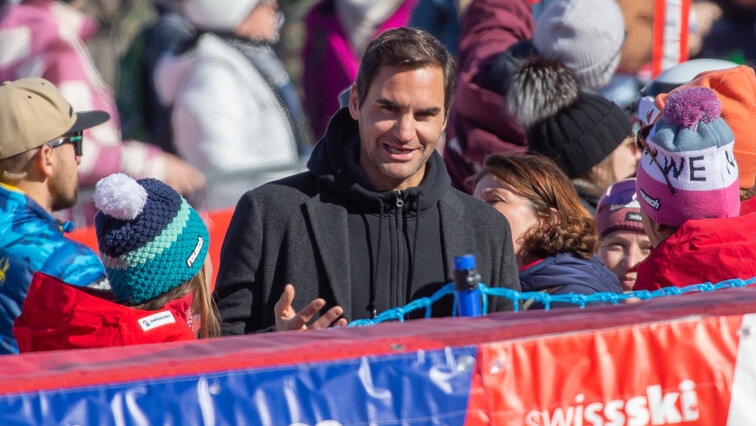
(640, 139)
(77, 139)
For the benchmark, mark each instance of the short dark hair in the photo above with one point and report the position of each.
(406, 47)
(566, 226)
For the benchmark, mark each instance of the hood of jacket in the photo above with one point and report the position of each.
(700, 251)
(57, 316)
(570, 274)
(335, 163)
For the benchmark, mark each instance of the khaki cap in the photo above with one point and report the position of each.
(33, 112)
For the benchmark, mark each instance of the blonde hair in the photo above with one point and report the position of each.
(202, 303)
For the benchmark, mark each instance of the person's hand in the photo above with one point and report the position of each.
(182, 176)
(288, 319)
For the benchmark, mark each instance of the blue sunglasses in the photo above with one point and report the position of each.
(77, 139)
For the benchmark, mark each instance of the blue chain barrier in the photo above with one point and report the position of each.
(399, 314)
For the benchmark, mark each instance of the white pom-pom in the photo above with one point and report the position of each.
(120, 196)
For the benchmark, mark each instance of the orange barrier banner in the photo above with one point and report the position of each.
(662, 373)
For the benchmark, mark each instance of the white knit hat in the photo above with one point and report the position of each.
(586, 35)
(219, 15)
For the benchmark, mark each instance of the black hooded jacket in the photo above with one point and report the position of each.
(332, 235)
(394, 236)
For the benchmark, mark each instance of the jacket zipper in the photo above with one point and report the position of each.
(398, 287)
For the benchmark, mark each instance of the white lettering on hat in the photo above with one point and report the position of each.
(633, 217)
(701, 170)
(193, 257)
(653, 202)
(156, 320)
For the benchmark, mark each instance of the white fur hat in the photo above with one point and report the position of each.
(221, 15)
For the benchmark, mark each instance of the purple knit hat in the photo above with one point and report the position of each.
(619, 210)
(694, 174)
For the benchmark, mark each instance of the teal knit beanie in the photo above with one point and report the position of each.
(150, 239)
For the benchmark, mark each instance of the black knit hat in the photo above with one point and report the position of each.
(580, 135)
(576, 129)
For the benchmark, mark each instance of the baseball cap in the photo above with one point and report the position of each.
(33, 112)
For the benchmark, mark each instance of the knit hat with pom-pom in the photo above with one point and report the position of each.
(576, 129)
(693, 148)
(151, 241)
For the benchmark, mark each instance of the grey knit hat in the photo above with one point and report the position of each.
(585, 35)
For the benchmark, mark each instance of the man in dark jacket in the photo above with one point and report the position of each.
(374, 223)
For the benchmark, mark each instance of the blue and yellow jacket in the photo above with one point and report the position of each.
(32, 240)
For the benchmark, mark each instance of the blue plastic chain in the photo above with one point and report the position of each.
(399, 314)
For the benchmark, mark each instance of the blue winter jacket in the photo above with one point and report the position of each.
(564, 273)
(32, 240)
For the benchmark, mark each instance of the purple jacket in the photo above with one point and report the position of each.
(477, 124)
(330, 62)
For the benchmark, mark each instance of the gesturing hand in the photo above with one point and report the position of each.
(288, 319)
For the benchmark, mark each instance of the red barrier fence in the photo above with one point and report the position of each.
(675, 360)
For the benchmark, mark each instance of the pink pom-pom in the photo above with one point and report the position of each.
(687, 107)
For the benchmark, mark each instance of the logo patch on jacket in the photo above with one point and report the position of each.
(156, 320)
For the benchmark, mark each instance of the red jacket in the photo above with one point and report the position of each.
(748, 206)
(478, 125)
(707, 250)
(57, 315)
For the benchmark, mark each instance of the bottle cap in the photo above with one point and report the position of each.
(464, 262)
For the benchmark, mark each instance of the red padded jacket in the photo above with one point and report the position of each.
(707, 250)
(57, 315)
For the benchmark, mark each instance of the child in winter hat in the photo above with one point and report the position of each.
(623, 241)
(152, 244)
(688, 170)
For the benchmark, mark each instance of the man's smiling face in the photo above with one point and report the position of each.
(400, 123)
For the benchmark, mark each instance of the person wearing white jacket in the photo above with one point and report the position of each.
(232, 108)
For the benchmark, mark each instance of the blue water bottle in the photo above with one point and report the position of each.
(466, 284)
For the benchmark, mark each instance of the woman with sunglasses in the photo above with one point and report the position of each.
(554, 236)
(623, 242)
